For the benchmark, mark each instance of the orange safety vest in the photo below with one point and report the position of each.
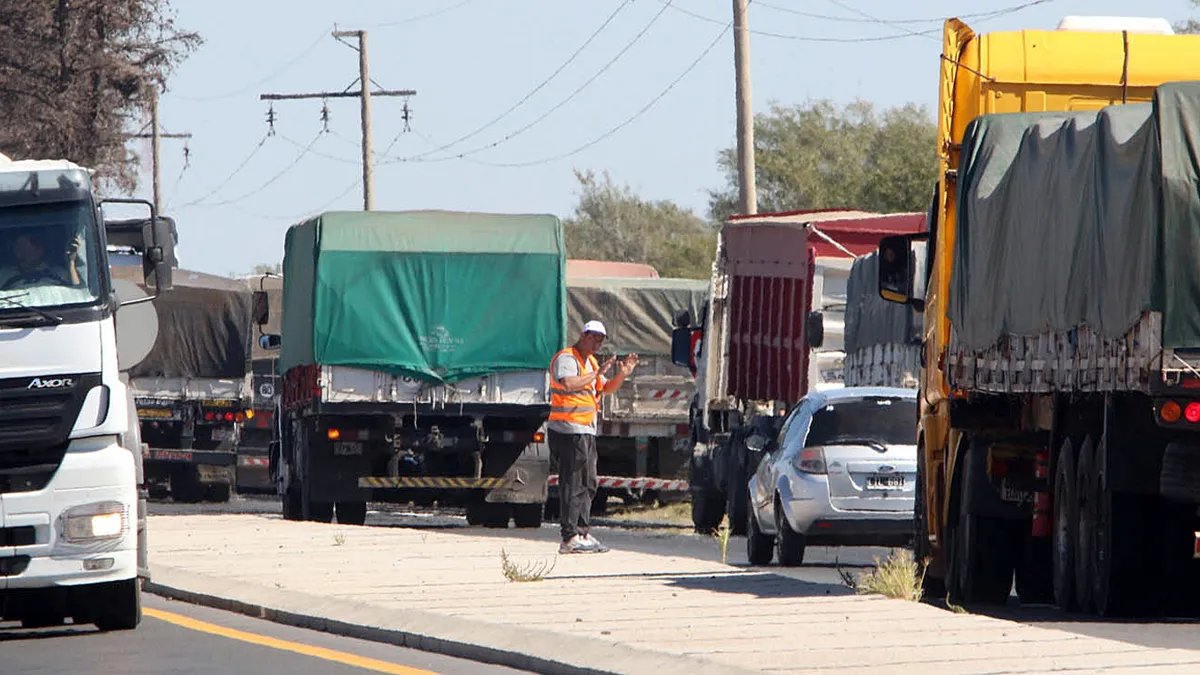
(574, 407)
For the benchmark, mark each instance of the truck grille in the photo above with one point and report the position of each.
(36, 417)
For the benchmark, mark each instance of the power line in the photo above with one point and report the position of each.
(570, 59)
(851, 19)
(876, 19)
(805, 38)
(254, 85)
(569, 96)
(231, 176)
(420, 17)
(627, 121)
(270, 181)
(302, 214)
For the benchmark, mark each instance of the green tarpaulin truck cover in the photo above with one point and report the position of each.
(433, 294)
(1080, 219)
(638, 313)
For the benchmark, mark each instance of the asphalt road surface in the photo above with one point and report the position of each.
(184, 639)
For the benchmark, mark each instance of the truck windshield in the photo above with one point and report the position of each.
(886, 420)
(48, 254)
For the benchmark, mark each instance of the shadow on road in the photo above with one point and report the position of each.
(757, 584)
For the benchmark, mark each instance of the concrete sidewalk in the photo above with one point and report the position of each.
(616, 612)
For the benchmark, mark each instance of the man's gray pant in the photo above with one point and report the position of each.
(577, 481)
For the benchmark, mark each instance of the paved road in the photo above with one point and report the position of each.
(184, 639)
(820, 571)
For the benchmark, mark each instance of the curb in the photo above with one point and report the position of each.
(511, 646)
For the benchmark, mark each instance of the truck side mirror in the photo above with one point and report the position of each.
(814, 328)
(681, 346)
(269, 341)
(159, 256)
(261, 308)
(897, 269)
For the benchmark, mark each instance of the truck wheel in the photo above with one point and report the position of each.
(1066, 522)
(527, 515)
(475, 513)
(292, 505)
(496, 515)
(789, 542)
(217, 492)
(981, 563)
(707, 510)
(932, 586)
(760, 548)
(1121, 531)
(47, 611)
(351, 513)
(319, 512)
(186, 487)
(1085, 551)
(118, 605)
(1035, 578)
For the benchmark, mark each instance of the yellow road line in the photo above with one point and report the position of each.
(334, 655)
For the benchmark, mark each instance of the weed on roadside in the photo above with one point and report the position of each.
(722, 534)
(522, 572)
(339, 539)
(898, 576)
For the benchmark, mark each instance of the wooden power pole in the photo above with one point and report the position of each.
(747, 191)
(155, 135)
(364, 95)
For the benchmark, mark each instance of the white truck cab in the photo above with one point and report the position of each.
(71, 519)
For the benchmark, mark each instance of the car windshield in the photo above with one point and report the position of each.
(47, 255)
(875, 419)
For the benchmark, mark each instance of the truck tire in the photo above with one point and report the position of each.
(1122, 533)
(496, 515)
(45, 610)
(527, 515)
(1066, 524)
(217, 492)
(737, 505)
(318, 512)
(475, 513)
(931, 586)
(1034, 573)
(980, 571)
(707, 510)
(789, 542)
(186, 487)
(351, 513)
(1084, 549)
(293, 508)
(760, 548)
(118, 605)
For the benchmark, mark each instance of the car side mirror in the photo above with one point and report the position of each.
(269, 341)
(261, 305)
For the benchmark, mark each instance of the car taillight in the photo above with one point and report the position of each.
(1191, 412)
(810, 460)
(1170, 412)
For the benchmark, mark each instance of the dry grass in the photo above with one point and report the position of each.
(339, 539)
(674, 513)
(897, 576)
(722, 534)
(525, 572)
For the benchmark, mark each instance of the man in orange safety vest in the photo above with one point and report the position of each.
(576, 383)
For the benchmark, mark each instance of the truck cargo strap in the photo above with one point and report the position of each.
(619, 483)
(430, 482)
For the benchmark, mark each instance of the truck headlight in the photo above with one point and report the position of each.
(91, 522)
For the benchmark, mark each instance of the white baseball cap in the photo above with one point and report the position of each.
(594, 326)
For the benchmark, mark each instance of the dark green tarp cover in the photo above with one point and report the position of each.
(1082, 218)
(434, 294)
(637, 313)
(871, 320)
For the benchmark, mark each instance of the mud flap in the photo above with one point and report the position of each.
(525, 479)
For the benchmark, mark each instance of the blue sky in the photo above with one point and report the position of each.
(472, 61)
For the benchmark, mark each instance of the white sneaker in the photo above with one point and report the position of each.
(576, 544)
(597, 547)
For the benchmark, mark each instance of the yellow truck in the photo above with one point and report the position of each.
(1059, 429)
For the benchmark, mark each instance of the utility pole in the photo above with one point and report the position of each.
(747, 192)
(364, 95)
(155, 135)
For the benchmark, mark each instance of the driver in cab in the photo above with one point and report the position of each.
(29, 266)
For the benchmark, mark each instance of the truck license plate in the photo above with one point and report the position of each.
(347, 448)
(220, 433)
(885, 481)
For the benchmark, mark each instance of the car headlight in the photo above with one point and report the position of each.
(97, 521)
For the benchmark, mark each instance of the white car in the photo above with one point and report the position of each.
(843, 472)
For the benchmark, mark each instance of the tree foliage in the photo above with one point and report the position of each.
(612, 223)
(815, 155)
(1191, 25)
(76, 74)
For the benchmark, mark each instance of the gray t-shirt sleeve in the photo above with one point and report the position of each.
(565, 366)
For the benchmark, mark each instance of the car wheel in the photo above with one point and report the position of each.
(789, 542)
(760, 548)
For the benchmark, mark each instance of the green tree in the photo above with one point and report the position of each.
(815, 155)
(75, 73)
(1191, 25)
(612, 223)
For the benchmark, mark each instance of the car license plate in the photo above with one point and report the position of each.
(885, 481)
(347, 448)
(220, 433)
